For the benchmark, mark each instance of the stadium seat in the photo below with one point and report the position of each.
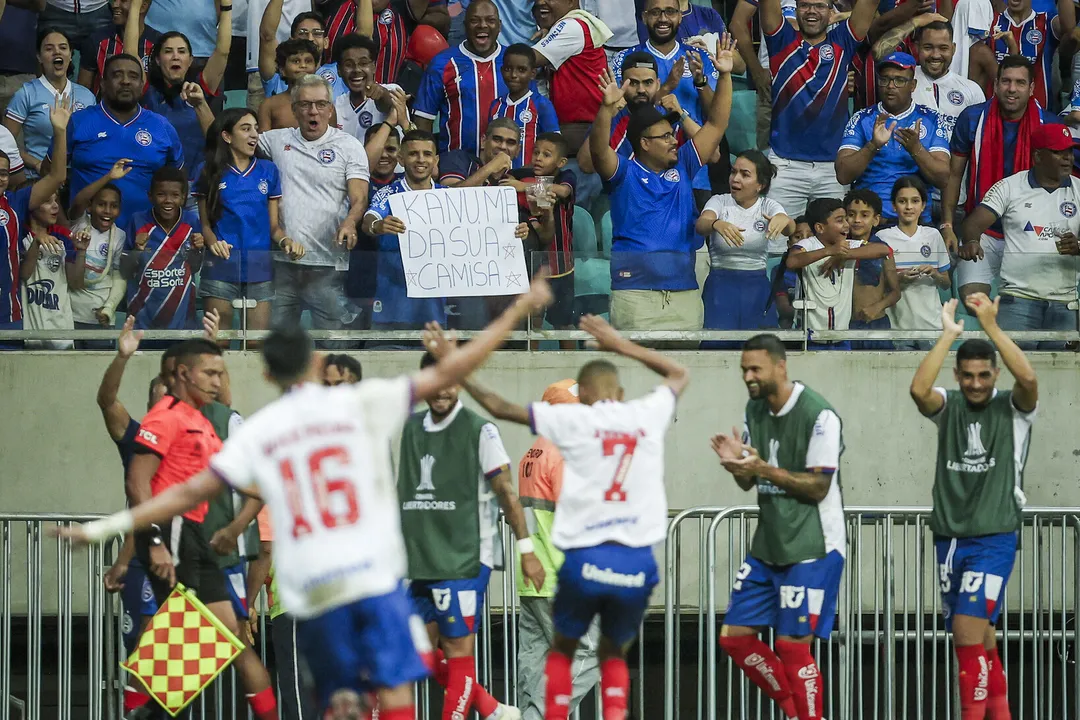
(584, 234)
(605, 235)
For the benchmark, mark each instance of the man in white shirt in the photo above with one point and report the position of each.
(971, 23)
(324, 179)
(1039, 214)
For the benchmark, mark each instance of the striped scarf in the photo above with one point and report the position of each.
(987, 156)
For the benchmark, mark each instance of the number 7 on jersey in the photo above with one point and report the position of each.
(616, 442)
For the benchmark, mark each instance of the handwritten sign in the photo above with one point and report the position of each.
(459, 242)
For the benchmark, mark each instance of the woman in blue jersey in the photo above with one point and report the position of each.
(740, 226)
(28, 112)
(238, 205)
(187, 99)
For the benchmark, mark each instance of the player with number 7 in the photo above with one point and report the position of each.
(612, 509)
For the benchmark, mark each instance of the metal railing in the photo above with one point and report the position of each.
(889, 654)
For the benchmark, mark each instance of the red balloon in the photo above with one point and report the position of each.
(426, 42)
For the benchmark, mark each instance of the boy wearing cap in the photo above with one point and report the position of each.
(1038, 211)
(894, 138)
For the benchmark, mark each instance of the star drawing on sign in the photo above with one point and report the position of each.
(513, 279)
(508, 251)
(410, 278)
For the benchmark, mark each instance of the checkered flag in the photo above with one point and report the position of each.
(183, 649)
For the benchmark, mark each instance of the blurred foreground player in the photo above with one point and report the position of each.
(320, 457)
(983, 441)
(611, 512)
(790, 581)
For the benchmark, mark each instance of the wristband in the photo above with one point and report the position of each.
(525, 546)
(225, 8)
(105, 528)
(701, 84)
(944, 225)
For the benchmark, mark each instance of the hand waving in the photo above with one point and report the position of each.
(725, 53)
(610, 90)
(60, 112)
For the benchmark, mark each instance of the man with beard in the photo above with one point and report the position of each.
(1020, 30)
(790, 449)
(894, 138)
(119, 128)
(995, 138)
(1037, 210)
(653, 209)
(809, 68)
(460, 84)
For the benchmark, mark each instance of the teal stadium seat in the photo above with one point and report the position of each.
(592, 265)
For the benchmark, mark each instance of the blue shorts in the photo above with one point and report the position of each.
(736, 300)
(364, 646)
(454, 604)
(236, 584)
(972, 573)
(137, 598)
(798, 600)
(609, 580)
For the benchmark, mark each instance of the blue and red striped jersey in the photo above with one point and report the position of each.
(456, 85)
(14, 211)
(393, 26)
(533, 113)
(809, 91)
(1037, 41)
(162, 293)
(109, 41)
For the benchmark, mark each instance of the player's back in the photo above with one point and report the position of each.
(321, 459)
(613, 476)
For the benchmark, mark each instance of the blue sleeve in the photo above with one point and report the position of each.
(855, 135)
(620, 172)
(689, 160)
(19, 107)
(712, 20)
(429, 96)
(380, 204)
(20, 203)
(710, 72)
(274, 179)
(964, 131)
(783, 37)
(175, 155)
(549, 120)
(842, 35)
(939, 140)
(455, 164)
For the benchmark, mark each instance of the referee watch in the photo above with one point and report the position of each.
(155, 536)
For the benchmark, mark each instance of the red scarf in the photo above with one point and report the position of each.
(987, 159)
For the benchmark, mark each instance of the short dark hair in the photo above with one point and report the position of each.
(110, 186)
(370, 132)
(767, 342)
(910, 181)
(343, 362)
(352, 41)
(865, 196)
(801, 220)
(1016, 61)
(309, 15)
(186, 351)
(287, 353)
(818, 211)
(936, 25)
(766, 171)
(169, 173)
(556, 139)
(976, 349)
(522, 50)
(594, 369)
(121, 57)
(294, 46)
(420, 136)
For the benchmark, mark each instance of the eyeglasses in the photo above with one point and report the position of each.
(310, 33)
(665, 136)
(657, 13)
(306, 105)
(896, 82)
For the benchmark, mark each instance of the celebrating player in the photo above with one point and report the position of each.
(611, 512)
(983, 439)
(320, 458)
(791, 579)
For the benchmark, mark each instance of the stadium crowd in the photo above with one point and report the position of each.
(881, 182)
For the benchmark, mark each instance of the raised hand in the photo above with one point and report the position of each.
(60, 112)
(724, 60)
(697, 67)
(539, 294)
(985, 309)
(210, 322)
(727, 447)
(671, 104)
(120, 169)
(883, 131)
(192, 94)
(81, 240)
(610, 90)
(437, 342)
(606, 337)
(949, 323)
(910, 138)
(128, 342)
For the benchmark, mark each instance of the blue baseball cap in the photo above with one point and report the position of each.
(899, 59)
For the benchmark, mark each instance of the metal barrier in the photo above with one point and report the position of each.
(889, 655)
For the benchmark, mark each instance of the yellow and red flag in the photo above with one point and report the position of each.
(183, 649)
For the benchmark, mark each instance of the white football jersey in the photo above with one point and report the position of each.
(613, 472)
(320, 457)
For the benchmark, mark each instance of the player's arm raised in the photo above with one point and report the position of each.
(176, 500)
(116, 415)
(922, 390)
(456, 365)
(675, 375)
(1025, 383)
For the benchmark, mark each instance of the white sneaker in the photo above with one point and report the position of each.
(507, 712)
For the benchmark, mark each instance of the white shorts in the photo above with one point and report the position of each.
(984, 271)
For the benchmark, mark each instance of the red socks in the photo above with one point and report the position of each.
(997, 701)
(615, 686)
(560, 687)
(460, 684)
(264, 704)
(762, 667)
(974, 682)
(804, 678)
(482, 700)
